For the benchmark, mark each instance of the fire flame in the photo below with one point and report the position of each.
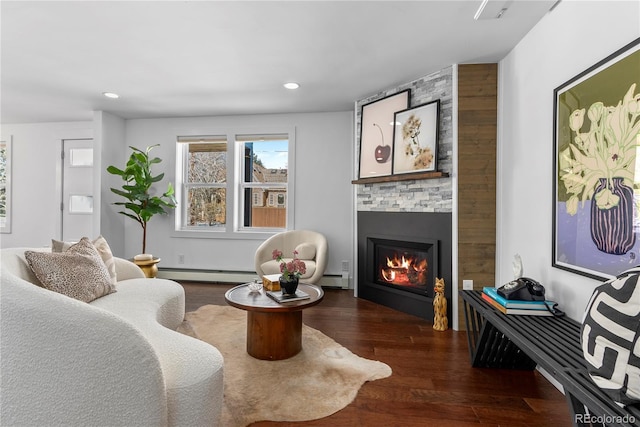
(405, 271)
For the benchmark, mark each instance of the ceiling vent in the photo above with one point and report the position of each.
(492, 9)
(496, 9)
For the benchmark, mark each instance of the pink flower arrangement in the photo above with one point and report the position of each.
(294, 268)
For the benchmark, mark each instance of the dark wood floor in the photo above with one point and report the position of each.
(433, 383)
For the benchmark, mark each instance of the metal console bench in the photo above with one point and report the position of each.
(497, 340)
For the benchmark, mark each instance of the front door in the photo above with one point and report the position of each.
(77, 189)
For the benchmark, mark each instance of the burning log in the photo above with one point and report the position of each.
(404, 271)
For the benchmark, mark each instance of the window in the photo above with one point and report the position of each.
(244, 178)
(204, 181)
(264, 179)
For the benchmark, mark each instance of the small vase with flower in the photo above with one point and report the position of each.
(291, 271)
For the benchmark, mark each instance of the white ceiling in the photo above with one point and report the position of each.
(200, 58)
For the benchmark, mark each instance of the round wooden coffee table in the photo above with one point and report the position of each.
(274, 330)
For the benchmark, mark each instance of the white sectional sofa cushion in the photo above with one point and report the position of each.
(116, 361)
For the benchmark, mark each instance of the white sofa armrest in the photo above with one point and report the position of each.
(125, 270)
(68, 363)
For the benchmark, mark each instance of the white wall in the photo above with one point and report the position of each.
(110, 140)
(323, 199)
(323, 190)
(570, 39)
(36, 180)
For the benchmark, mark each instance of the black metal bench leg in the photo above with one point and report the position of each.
(472, 332)
(579, 413)
(495, 350)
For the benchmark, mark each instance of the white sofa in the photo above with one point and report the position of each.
(116, 361)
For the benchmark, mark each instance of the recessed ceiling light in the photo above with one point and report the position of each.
(111, 95)
(291, 85)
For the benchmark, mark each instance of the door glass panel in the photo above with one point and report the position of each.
(80, 204)
(81, 157)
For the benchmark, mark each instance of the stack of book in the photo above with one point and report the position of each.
(508, 306)
(278, 296)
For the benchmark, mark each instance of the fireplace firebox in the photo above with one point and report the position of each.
(400, 255)
(404, 265)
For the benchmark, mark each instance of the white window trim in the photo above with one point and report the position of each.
(241, 185)
(232, 229)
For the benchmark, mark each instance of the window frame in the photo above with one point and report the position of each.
(181, 177)
(243, 185)
(233, 228)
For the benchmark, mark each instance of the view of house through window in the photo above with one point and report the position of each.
(208, 187)
(265, 177)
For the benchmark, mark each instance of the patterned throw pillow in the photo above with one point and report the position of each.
(611, 337)
(103, 249)
(78, 272)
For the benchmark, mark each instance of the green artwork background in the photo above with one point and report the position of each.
(608, 86)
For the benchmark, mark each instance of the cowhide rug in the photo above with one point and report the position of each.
(319, 381)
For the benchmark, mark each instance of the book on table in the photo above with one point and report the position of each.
(278, 296)
(538, 311)
(516, 304)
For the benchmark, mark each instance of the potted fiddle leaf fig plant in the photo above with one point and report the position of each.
(141, 204)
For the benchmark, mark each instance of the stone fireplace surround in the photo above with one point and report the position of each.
(419, 208)
(410, 227)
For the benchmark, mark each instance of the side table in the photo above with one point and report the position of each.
(148, 266)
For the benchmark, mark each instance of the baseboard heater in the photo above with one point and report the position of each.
(327, 281)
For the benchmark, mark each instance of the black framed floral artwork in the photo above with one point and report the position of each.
(596, 170)
(415, 139)
(376, 133)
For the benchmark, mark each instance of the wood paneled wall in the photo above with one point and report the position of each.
(477, 133)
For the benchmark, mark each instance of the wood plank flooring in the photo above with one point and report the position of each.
(433, 383)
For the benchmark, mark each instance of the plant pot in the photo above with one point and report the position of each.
(288, 286)
(612, 228)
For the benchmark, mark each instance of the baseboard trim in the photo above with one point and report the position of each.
(328, 281)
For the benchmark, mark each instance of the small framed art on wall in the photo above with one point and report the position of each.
(415, 139)
(376, 133)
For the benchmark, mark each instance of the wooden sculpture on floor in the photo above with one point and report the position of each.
(440, 322)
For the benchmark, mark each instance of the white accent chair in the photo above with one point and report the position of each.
(311, 246)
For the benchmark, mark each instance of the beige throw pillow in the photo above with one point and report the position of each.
(306, 251)
(103, 249)
(78, 272)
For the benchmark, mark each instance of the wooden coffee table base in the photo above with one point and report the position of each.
(274, 330)
(275, 335)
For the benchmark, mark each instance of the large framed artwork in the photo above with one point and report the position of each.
(376, 133)
(415, 139)
(596, 168)
(5, 186)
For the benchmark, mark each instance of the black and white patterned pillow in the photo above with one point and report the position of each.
(611, 337)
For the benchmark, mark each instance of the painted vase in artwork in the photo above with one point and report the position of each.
(612, 227)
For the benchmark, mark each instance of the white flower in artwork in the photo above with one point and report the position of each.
(606, 150)
(420, 157)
